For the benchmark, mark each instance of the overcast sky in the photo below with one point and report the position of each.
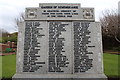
(10, 9)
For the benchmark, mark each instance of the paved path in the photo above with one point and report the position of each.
(4, 54)
(112, 52)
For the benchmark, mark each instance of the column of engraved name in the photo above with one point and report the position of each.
(82, 62)
(31, 47)
(56, 44)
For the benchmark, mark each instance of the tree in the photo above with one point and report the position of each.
(4, 33)
(109, 23)
(13, 37)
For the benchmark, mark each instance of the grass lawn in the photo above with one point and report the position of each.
(8, 66)
(110, 65)
(0, 66)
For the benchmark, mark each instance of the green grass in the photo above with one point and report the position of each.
(0, 67)
(8, 66)
(110, 65)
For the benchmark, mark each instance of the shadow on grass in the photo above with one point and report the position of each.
(6, 79)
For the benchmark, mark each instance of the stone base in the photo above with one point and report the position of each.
(59, 77)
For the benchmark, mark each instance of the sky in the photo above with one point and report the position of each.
(11, 9)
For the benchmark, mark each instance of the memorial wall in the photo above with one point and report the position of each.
(59, 40)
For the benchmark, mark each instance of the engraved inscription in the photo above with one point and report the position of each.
(57, 59)
(59, 11)
(31, 47)
(82, 62)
